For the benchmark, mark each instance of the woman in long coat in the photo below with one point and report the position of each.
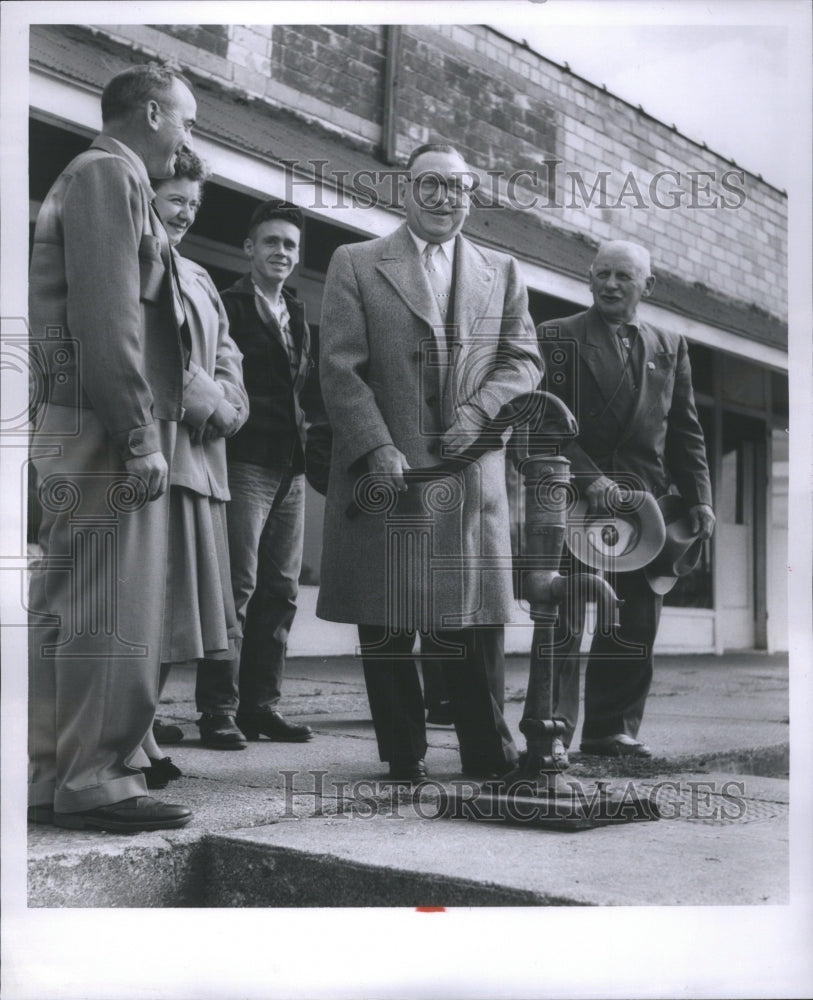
(200, 623)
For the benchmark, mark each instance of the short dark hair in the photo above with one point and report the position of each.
(188, 166)
(131, 88)
(433, 147)
(275, 209)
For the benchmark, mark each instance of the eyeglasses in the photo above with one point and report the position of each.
(432, 189)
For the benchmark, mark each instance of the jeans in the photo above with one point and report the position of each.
(266, 523)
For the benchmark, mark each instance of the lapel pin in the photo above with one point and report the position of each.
(651, 365)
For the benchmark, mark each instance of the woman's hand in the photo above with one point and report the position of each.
(222, 423)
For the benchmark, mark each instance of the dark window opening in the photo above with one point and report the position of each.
(702, 362)
(322, 239)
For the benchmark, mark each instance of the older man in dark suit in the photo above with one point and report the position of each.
(424, 338)
(631, 388)
(107, 324)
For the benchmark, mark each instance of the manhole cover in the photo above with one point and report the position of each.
(709, 802)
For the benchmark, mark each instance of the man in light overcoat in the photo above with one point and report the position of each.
(107, 329)
(425, 336)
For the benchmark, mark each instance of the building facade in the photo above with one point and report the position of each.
(323, 114)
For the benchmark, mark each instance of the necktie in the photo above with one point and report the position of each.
(439, 272)
(628, 338)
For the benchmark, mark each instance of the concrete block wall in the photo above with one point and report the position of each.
(612, 171)
(602, 168)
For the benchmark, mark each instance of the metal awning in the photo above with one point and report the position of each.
(89, 58)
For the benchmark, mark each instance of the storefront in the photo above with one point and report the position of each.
(736, 598)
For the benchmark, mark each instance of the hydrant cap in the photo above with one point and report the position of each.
(625, 540)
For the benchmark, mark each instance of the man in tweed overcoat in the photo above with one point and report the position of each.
(424, 338)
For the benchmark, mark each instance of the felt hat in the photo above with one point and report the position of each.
(681, 551)
(627, 539)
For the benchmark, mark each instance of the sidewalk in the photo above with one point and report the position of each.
(307, 825)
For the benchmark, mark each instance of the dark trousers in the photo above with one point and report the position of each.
(435, 695)
(619, 667)
(473, 663)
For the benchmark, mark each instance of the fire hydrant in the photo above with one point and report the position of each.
(535, 792)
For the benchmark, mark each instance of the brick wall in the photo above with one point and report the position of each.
(603, 168)
(618, 173)
(341, 65)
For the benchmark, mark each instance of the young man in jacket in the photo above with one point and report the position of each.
(266, 514)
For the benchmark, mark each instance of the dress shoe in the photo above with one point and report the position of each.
(40, 814)
(130, 816)
(166, 734)
(618, 745)
(440, 714)
(161, 772)
(409, 770)
(219, 732)
(272, 725)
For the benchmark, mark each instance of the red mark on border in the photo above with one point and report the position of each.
(430, 909)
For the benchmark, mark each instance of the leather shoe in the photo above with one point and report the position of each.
(166, 734)
(274, 727)
(40, 814)
(161, 772)
(408, 770)
(130, 816)
(618, 745)
(219, 732)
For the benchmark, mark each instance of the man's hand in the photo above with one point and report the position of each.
(387, 461)
(153, 470)
(468, 426)
(702, 520)
(600, 496)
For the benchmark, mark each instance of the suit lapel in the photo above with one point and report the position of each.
(601, 356)
(400, 265)
(646, 347)
(473, 290)
(471, 302)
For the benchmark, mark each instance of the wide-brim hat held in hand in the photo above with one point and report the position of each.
(627, 538)
(681, 550)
